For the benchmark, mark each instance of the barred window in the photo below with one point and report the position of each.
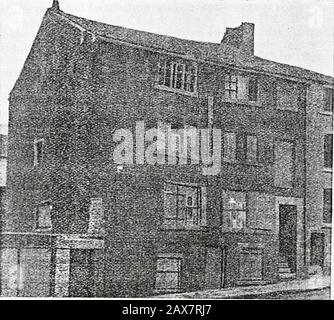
(180, 76)
(184, 205)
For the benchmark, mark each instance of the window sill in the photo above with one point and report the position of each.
(326, 113)
(330, 170)
(326, 225)
(187, 93)
(247, 102)
(166, 291)
(247, 163)
(183, 228)
(43, 229)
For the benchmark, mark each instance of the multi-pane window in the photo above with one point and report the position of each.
(184, 205)
(327, 208)
(38, 151)
(241, 147)
(231, 86)
(328, 151)
(180, 76)
(168, 274)
(284, 164)
(43, 219)
(234, 209)
(241, 88)
(328, 99)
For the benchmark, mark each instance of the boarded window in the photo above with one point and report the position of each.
(328, 151)
(229, 146)
(250, 264)
(287, 96)
(168, 274)
(284, 166)
(328, 99)
(327, 209)
(261, 211)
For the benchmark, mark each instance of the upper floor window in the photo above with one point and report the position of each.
(184, 205)
(43, 219)
(38, 151)
(241, 88)
(328, 151)
(287, 96)
(178, 76)
(328, 99)
(241, 147)
(327, 208)
(284, 164)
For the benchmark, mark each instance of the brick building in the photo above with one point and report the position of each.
(78, 224)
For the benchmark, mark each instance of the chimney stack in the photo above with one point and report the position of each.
(241, 37)
(55, 5)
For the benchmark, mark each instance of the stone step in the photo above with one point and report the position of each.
(284, 270)
(283, 265)
(287, 275)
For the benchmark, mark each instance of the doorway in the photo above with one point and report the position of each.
(288, 235)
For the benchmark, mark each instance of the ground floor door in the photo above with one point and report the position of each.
(288, 235)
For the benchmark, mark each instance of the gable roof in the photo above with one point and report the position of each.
(206, 51)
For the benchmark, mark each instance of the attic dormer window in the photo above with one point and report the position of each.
(177, 76)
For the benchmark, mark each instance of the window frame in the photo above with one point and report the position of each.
(38, 227)
(331, 104)
(229, 212)
(169, 256)
(177, 196)
(330, 152)
(327, 207)
(37, 161)
(172, 66)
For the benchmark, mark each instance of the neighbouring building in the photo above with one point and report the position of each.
(78, 224)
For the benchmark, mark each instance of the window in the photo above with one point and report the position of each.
(241, 88)
(327, 208)
(231, 86)
(328, 99)
(328, 151)
(253, 89)
(229, 146)
(247, 148)
(180, 76)
(284, 164)
(184, 205)
(317, 249)
(234, 210)
(241, 147)
(287, 96)
(168, 274)
(38, 151)
(44, 216)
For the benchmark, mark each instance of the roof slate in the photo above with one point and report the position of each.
(207, 51)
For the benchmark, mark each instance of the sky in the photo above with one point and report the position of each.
(296, 32)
